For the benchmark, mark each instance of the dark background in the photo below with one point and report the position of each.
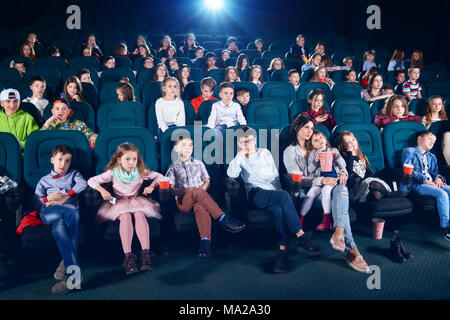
(406, 24)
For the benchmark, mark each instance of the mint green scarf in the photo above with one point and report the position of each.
(124, 176)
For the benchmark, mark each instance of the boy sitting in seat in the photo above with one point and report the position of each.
(15, 121)
(243, 96)
(37, 87)
(189, 181)
(56, 198)
(208, 85)
(426, 179)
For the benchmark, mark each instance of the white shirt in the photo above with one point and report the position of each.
(169, 113)
(258, 171)
(40, 104)
(230, 115)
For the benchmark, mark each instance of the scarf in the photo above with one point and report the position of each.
(124, 176)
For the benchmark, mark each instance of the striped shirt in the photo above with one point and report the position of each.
(412, 88)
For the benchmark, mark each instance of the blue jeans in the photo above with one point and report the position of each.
(160, 133)
(221, 128)
(280, 204)
(64, 221)
(442, 196)
(339, 209)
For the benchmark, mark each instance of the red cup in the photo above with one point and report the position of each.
(322, 80)
(92, 144)
(164, 184)
(296, 177)
(377, 228)
(408, 169)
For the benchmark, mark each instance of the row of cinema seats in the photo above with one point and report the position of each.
(383, 151)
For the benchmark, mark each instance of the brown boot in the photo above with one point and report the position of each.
(357, 263)
(146, 263)
(130, 263)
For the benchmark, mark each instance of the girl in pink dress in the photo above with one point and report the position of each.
(126, 170)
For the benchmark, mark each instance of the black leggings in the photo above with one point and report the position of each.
(377, 192)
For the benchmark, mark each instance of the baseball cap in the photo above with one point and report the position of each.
(7, 94)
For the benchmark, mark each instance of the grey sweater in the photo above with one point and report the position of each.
(295, 161)
(338, 163)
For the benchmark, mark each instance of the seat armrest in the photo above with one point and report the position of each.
(292, 186)
(13, 200)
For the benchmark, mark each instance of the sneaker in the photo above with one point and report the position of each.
(306, 245)
(146, 263)
(281, 263)
(130, 263)
(338, 243)
(232, 225)
(61, 287)
(325, 225)
(357, 263)
(205, 249)
(60, 273)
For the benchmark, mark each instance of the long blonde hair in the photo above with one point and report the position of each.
(428, 113)
(121, 150)
(342, 149)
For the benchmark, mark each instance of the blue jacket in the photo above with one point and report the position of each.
(414, 157)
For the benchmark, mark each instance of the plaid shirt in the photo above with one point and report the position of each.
(190, 174)
(381, 121)
(330, 123)
(7, 184)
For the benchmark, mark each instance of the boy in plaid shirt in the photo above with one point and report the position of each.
(189, 181)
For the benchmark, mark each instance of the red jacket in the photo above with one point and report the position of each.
(30, 219)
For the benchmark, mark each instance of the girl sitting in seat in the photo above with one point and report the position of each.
(362, 183)
(256, 77)
(127, 171)
(321, 75)
(319, 146)
(161, 72)
(317, 112)
(184, 77)
(125, 91)
(395, 109)
(231, 75)
(435, 111)
(73, 89)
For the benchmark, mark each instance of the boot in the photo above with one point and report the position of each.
(130, 263)
(146, 263)
(325, 225)
(396, 251)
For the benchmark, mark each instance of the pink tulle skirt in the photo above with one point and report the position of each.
(109, 211)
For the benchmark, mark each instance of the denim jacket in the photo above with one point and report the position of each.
(414, 157)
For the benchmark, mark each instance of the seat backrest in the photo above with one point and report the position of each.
(38, 151)
(122, 114)
(298, 106)
(271, 54)
(376, 107)
(439, 88)
(115, 74)
(184, 60)
(196, 74)
(144, 76)
(123, 62)
(11, 156)
(252, 54)
(306, 76)
(51, 62)
(418, 106)
(217, 74)
(151, 91)
(31, 109)
(305, 89)
(204, 110)
(9, 77)
(282, 91)
(369, 141)
(263, 62)
(293, 64)
(351, 110)
(280, 75)
(72, 71)
(396, 136)
(84, 62)
(109, 139)
(51, 76)
(90, 94)
(267, 112)
(339, 76)
(346, 89)
(254, 93)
